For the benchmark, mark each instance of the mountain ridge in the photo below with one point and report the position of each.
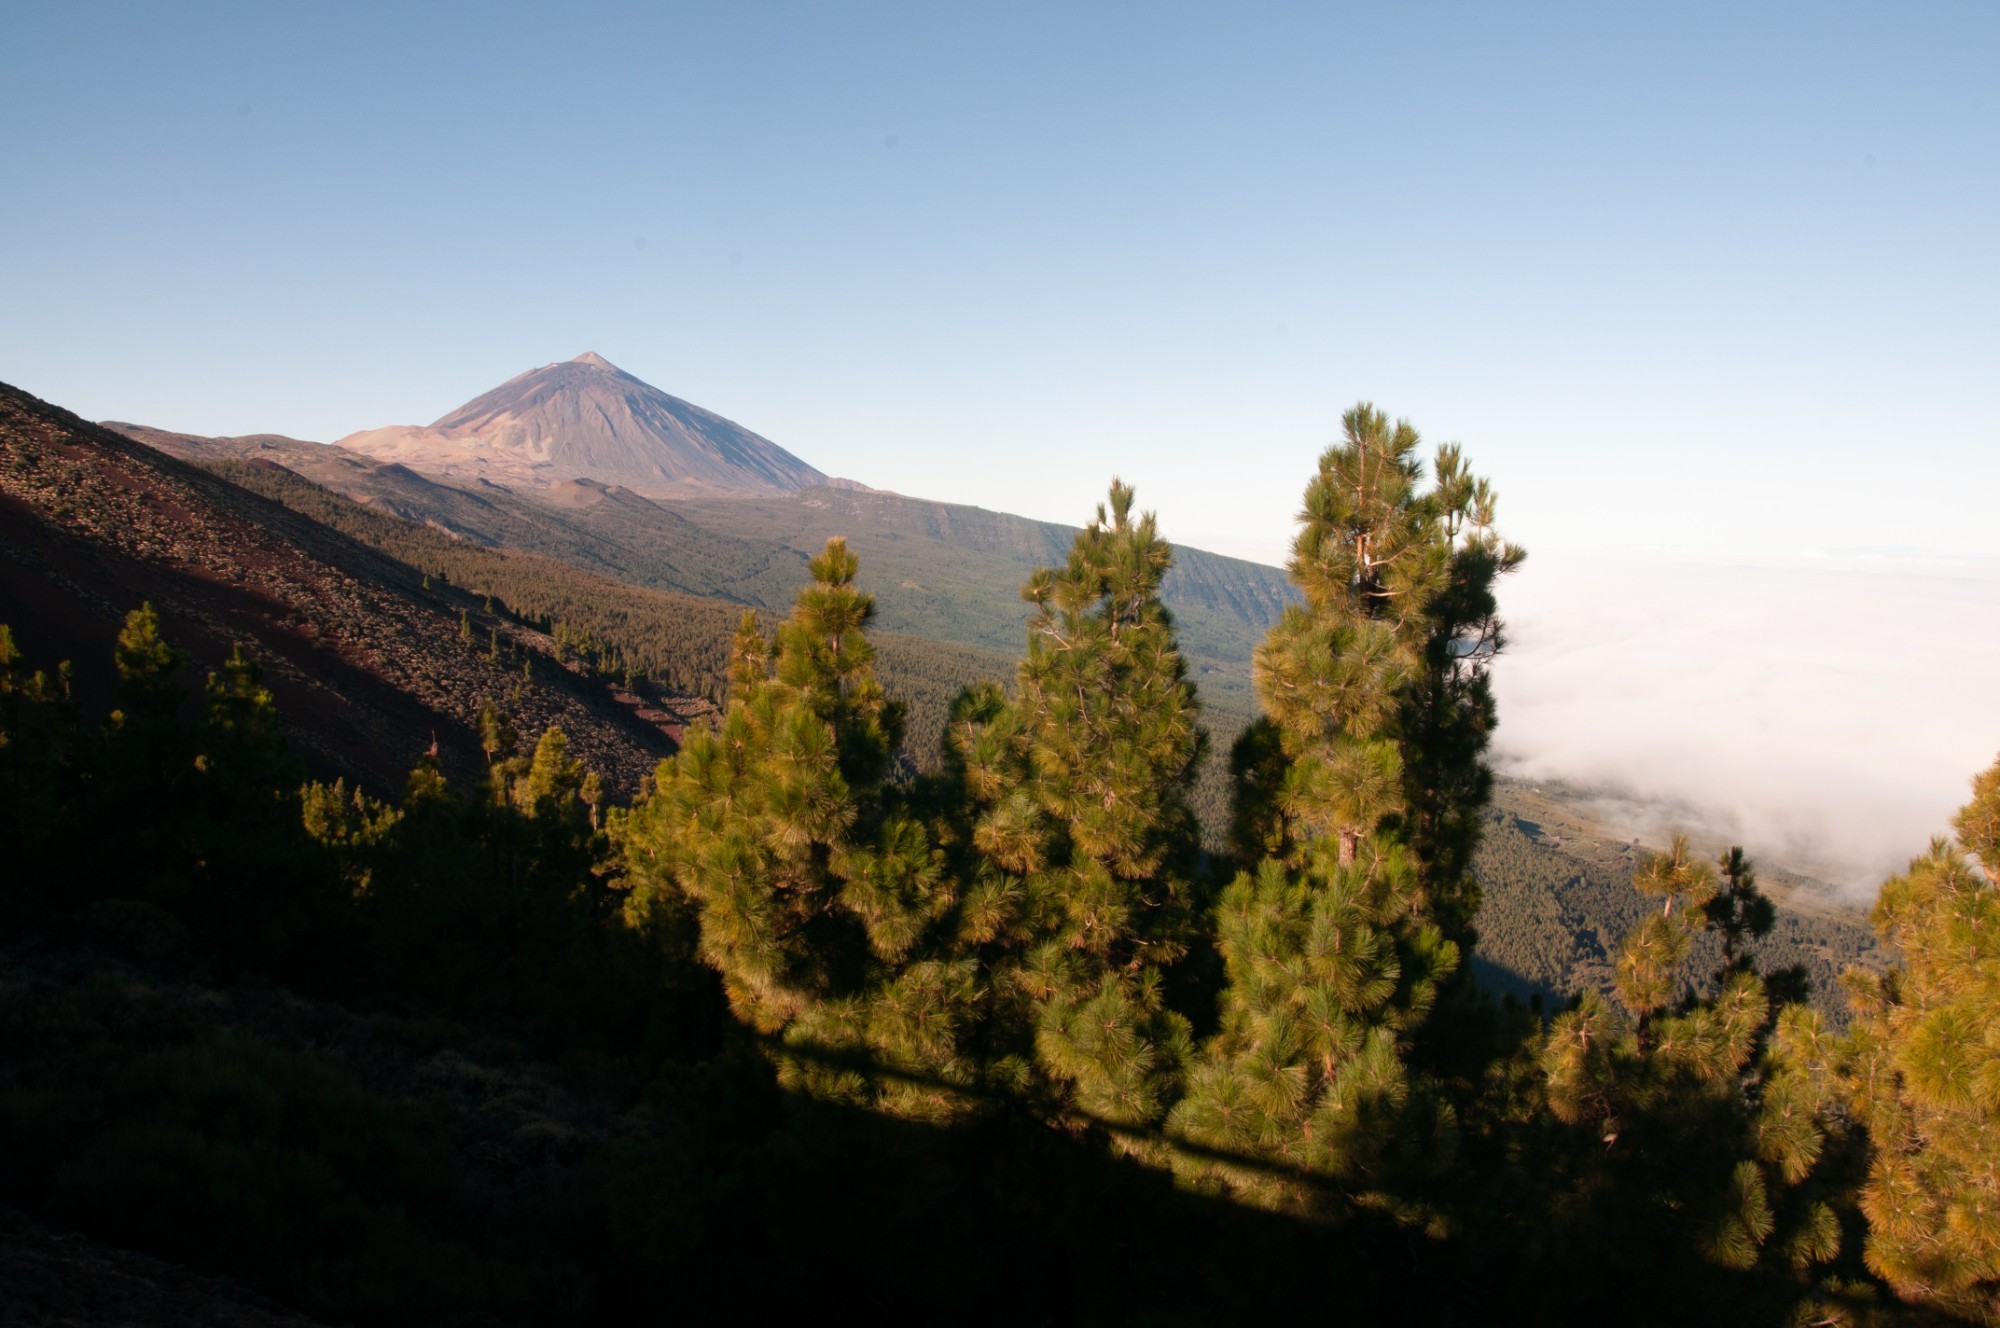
(945, 571)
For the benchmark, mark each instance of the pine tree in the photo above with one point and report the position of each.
(1922, 1070)
(149, 689)
(553, 782)
(1702, 1109)
(1083, 882)
(497, 737)
(1740, 911)
(262, 903)
(42, 765)
(349, 824)
(1348, 825)
(785, 830)
(146, 761)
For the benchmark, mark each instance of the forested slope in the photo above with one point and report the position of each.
(614, 629)
(940, 571)
(953, 573)
(1558, 902)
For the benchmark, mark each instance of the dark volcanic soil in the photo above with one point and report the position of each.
(53, 1279)
(365, 660)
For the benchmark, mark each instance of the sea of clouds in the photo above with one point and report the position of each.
(1826, 712)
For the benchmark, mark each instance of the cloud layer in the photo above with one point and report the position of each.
(1826, 712)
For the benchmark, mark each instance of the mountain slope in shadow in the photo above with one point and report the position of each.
(364, 655)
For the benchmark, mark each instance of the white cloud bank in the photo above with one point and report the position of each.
(1827, 713)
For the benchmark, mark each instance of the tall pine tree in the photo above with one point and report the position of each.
(1356, 814)
(813, 882)
(1083, 880)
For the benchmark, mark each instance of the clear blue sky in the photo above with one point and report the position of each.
(1703, 278)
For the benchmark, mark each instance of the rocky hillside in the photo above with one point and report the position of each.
(365, 654)
(607, 529)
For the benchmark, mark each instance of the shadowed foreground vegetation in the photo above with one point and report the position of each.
(413, 1067)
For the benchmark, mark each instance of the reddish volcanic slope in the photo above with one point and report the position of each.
(365, 659)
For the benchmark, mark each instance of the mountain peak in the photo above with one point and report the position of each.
(588, 417)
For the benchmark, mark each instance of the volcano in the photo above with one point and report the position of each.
(587, 418)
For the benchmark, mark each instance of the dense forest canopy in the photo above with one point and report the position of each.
(995, 1028)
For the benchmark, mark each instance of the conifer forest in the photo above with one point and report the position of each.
(1046, 997)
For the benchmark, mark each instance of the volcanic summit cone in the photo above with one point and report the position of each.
(587, 417)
